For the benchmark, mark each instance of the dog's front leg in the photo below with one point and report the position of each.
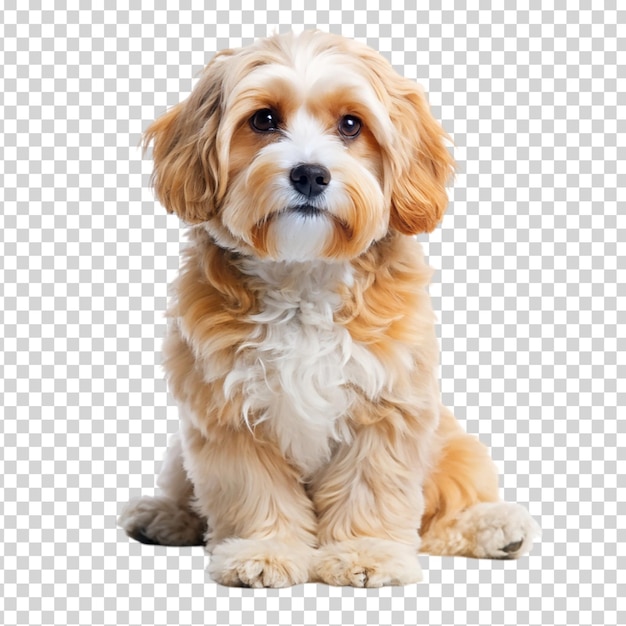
(369, 504)
(262, 528)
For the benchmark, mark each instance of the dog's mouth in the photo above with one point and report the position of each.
(312, 212)
(307, 210)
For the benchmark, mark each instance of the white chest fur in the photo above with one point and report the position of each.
(298, 370)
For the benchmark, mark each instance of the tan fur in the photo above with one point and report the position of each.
(406, 465)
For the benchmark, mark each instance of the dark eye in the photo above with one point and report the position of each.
(264, 121)
(349, 126)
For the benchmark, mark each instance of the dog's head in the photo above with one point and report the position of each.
(302, 147)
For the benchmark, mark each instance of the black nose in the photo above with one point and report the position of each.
(309, 179)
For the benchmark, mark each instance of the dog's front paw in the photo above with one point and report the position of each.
(260, 563)
(368, 562)
(498, 530)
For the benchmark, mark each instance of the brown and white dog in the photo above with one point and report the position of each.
(301, 346)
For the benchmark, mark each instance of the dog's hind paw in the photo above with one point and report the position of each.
(498, 530)
(162, 521)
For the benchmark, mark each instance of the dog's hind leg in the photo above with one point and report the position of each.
(463, 513)
(167, 519)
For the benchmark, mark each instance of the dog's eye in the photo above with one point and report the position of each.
(349, 126)
(264, 121)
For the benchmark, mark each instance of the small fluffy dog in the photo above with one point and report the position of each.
(301, 346)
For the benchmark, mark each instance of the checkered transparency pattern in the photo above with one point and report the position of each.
(530, 294)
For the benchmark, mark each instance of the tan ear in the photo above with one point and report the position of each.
(186, 166)
(421, 163)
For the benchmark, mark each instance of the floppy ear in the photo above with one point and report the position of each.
(186, 164)
(421, 163)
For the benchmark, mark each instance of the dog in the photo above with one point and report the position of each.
(301, 345)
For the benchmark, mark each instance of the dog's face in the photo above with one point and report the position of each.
(302, 147)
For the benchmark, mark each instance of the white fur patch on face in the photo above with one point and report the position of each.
(298, 370)
(301, 237)
(309, 143)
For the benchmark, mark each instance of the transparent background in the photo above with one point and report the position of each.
(529, 291)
